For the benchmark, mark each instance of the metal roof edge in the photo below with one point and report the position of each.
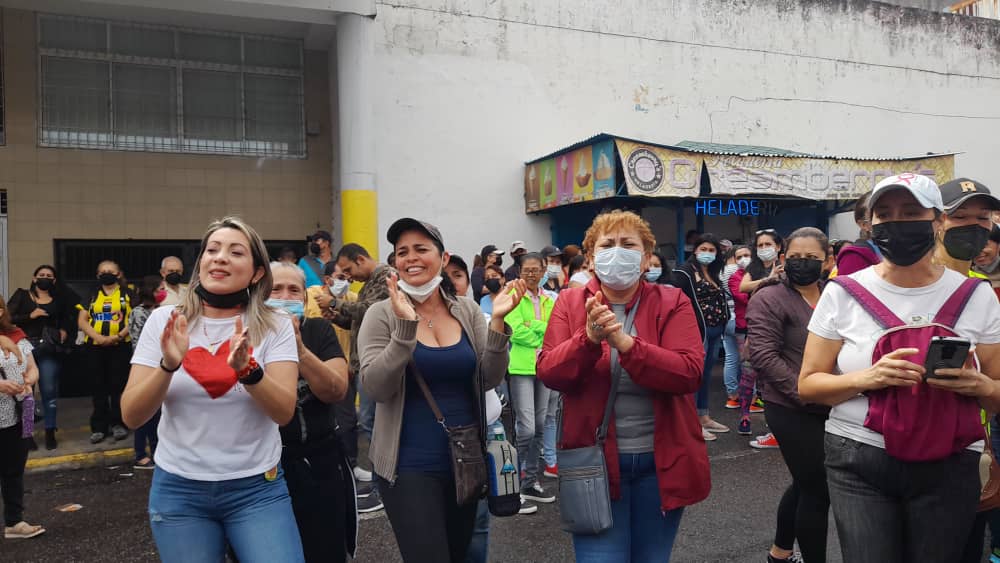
(698, 147)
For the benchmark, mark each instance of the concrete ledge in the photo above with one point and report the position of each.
(79, 461)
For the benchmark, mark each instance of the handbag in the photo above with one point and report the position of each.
(468, 462)
(989, 475)
(584, 495)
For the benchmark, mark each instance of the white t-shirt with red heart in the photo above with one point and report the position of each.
(211, 428)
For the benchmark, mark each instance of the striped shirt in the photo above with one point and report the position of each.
(108, 314)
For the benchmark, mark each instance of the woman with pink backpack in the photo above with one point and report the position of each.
(903, 442)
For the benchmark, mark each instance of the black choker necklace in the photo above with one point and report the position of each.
(226, 301)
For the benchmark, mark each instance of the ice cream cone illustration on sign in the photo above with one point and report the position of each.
(582, 173)
(604, 170)
(583, 188)
(531, 188)
(603, 167)
(564, 184)
(547, 173)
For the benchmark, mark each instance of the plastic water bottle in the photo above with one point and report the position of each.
(27, 415)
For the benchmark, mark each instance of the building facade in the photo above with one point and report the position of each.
(347, 114)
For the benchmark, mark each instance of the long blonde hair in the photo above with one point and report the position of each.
(260, 318)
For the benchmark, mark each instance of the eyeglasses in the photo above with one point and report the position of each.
(768, 231)
(531, 272)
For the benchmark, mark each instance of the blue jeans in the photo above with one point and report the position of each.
(642, 531)
(731, 343)
(713, 337)
(530, 399)
(48, 379)
(549, 429)
(193, 520)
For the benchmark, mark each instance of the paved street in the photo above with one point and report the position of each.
(735, 524)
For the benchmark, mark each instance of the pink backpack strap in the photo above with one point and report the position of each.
(882, 315)
(953, 307)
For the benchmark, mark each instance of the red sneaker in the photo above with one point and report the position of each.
(551, 471)
(732, 403)
(768, 442)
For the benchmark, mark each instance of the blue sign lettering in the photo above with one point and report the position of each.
(724, 207)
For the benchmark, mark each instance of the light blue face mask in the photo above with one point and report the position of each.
(544, 280)
(618, 268)
(654, 274)
(290, 306)
(705, 258)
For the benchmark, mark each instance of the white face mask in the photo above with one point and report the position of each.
(339, 287)
(768, 254)
(553, 270)
(743, 262)
(423, 292)
(618, 268)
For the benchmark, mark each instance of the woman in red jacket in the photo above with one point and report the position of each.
(656, 457)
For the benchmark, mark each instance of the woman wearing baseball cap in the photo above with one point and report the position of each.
(424, 331)
(966, 225)
(892, 501)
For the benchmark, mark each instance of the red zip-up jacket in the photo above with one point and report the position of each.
(667, 360)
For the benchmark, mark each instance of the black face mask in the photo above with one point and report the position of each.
(904, 243)
(493, 285)
(965, 243)
(45, 284)
(227, 301)
(173, 278)
(803, 271)
(108, 279)
(315, 249)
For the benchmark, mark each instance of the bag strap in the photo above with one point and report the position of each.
(953, 307)
(616, 372)
(427, 394)
(882, 315)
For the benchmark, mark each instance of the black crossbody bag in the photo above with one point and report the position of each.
(468, 462)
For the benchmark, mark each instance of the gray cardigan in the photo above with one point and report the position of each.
(386, 344)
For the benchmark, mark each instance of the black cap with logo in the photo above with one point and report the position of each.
(960, 190)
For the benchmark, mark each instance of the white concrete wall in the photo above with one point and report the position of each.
(467, 90)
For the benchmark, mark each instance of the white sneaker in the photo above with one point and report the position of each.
(708, 436)
(362, 474)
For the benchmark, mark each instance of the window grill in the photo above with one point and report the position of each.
(127, 86)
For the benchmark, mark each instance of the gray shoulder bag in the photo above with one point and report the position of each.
(584, 497)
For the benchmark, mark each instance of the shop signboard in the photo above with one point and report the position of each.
(814, 178)
(584, 174)
(655, 171)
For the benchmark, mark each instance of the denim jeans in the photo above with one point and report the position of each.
(530, 399)
(713, 337)
(549, 431)
(49, 367)
(731, 343)
(888, 510)
(642, 531)
(193, 520)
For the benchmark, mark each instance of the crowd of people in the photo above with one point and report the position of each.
(249, 388)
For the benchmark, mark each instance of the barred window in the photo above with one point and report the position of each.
(124, 86)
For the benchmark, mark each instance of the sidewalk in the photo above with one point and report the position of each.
(75, 450)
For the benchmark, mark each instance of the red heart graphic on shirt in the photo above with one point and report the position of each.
(211, 371)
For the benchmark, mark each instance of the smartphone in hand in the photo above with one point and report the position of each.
(946, 352)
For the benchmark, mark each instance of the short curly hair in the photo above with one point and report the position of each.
(615, 220)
